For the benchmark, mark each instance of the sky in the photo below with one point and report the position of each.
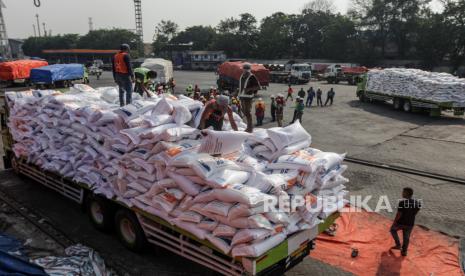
(72, 16)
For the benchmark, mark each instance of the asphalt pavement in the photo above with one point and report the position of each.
(368, 131)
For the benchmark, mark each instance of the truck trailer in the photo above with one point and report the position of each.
(137, 229)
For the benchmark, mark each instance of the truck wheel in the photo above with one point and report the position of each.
(397, 103)
(361, 97)
(129, 230)
(407, 106)
(100, 213)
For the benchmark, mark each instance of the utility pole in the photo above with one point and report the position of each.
(45, 30)
(34, 28)
(4, 44)
(91, 24)
(38, 24)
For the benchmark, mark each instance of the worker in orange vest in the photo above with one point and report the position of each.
(123, 74)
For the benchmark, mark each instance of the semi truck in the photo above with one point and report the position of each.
(229, 74)
(292, 73)
(57, 75)
(137, 229)
(406, 103)
(336, 73)
(18, 71)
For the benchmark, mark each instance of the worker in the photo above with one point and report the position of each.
(405, 220)
(299, 109)
(319, 101)
(273, 108)
(190, 91)
(144, 78)
(248, 87)
(301, 93)
(235, 104)
(196, 96)
(310, 96)
(290, 91)
(213, 115)
(123, 74)
(260, 111)
(280, 103)
(172, 85)
(196, 88)
(86, 75)
(330, 97)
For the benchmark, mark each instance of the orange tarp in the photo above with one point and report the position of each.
(429, 253)
(19, 69)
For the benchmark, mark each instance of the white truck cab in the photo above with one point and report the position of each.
(300, 72)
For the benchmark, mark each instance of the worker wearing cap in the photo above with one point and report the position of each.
(123, 74)
(144, 78)
(248, 87)
(260, 111)
(299, 110)
(213, 115)
(189, 90)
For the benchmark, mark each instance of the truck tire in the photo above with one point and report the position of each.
(361, 97)
(129, 230)
(407, 106)
(397, 103)
(100, 212)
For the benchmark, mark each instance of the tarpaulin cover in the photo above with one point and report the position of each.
(19, 69)
(57, 72)
(12, 261)
(354, 70)
(234, 70)
(430, 253)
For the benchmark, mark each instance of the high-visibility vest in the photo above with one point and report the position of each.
(120, 64)
(143, 71)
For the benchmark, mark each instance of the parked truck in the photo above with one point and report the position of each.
(229, 74)
(19, 71)
(292, 73)
(336, 73)
(136, 228)
(406, 103)
(57, 75)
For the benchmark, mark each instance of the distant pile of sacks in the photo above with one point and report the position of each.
(439, 87)
(226, 187)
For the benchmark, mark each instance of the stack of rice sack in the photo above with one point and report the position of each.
(245, 193)
(439, 87)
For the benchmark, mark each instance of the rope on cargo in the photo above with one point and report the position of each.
(37, 3)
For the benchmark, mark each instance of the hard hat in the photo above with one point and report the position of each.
(260, 99)
(246, 66)
(280, 95)
(272, 97)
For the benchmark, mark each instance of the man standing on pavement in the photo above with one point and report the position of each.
(123, 74)
(405, 220)
(330, 97)
(310, 96)
(319, 101)
(273, 108)
(280, 103)
(248, 87)
(290, 91)
(301, 93)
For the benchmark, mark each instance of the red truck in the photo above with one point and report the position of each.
(229, 74)
(19, 71)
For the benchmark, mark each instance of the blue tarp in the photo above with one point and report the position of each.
(57, 72)
(12, 259)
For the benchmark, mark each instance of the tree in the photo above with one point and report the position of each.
(108, 39)
(274, 37)
(454, 17)
(33, 46)
(320, 6)
(201, 37)
(338, 36)
(164, 32)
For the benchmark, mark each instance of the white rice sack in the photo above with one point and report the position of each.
(168, 200)
(283, 137)
(163, 107)
(218, 208)
(160, 186)
(157, 120)
(239, 193)
(208, 224)
(290, 149)
(226, 177)
(179, 133)
(191, 228)
(223, 230)
(243, 210)
(269, 183)
(249, 235)
(109, 94)
(222, 243)
(203, 164)
(247, 161)
(181, 114)
(254, 221)
(186, 203)
(258, 248)
(185, 184)
(190, 216)
(222, 142)
(277, 217)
